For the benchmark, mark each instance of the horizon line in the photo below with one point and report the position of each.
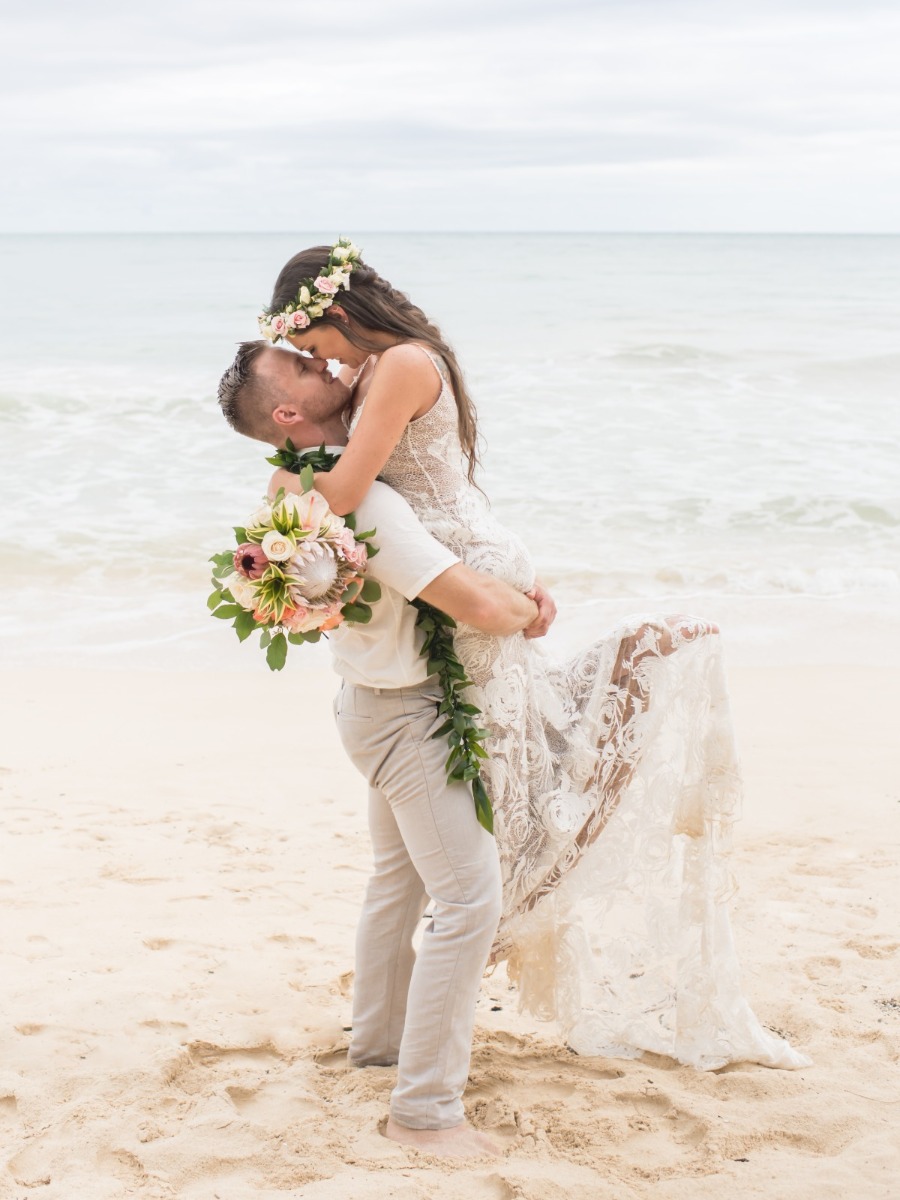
(457, 232)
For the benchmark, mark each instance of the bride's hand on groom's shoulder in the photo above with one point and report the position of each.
(546, 611)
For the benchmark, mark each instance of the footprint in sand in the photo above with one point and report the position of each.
(875, 947)
(30, 1168)
(273, 1104)
(824, 967)
(122, 1165)
(158, 943)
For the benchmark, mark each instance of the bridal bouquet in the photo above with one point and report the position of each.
(297, 571)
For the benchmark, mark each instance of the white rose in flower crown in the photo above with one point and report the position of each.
(303, 296)
(315, 310)
(340, 278)
(278, 547)
(341, 253)
(243, 590)
(298, 319)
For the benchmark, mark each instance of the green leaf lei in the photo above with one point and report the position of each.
(464, 735)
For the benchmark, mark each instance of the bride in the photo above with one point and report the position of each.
(613, 776)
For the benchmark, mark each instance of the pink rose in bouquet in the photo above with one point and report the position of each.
(352, 551)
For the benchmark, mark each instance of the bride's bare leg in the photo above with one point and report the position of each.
(462, 1141)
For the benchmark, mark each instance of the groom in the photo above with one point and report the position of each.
(415, 1011)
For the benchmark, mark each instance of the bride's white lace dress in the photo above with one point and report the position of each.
(614, 784)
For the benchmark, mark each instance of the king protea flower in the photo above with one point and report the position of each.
(319, 576)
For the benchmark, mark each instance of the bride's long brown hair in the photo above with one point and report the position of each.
(371, 302)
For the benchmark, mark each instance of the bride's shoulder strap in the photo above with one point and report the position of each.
(436, 361)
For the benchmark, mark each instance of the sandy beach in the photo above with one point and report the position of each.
(177, 963)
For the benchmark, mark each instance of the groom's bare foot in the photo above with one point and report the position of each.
(462, 1141)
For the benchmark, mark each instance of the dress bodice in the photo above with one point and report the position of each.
(428, 469)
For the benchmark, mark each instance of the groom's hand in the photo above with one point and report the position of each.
(546, 611)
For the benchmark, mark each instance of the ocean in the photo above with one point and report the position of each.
(681, 423)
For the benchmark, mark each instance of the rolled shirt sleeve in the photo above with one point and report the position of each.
(408, 557)
(385, 653)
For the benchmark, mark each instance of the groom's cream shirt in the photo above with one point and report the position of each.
(385, 652)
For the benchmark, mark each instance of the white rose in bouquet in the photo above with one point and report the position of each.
(262, 516)
(278, 547)
(243, 590)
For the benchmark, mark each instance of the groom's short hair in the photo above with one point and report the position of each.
(245, 400)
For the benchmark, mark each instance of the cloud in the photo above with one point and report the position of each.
(204, 115)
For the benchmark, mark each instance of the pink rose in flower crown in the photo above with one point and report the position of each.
(326, 285)
(298, 319)
(278, 326)
(250, 560)
(353, 552)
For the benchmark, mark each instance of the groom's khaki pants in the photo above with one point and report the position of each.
(418, 1011)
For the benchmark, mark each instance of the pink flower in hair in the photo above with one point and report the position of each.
(326, 285)
(298, 319)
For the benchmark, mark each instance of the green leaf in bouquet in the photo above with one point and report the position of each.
(373, 550)
(350, 592)
(313, 635)
(359, 613)
(214, 599)
(240, 533)
(227, 611)
(350, 521)
(307, 478)
(371, 591)
(264, 638)
(276, 654)
(225, 559)
(296, 639)
(244, 625)
(364, 537)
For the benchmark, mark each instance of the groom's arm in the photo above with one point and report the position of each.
(480, 600)
(415, 564)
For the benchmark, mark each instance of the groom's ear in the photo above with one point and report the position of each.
(286, 415)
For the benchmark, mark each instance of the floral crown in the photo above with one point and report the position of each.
(315, 295)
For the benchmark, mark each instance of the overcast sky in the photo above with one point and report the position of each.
(471, 115)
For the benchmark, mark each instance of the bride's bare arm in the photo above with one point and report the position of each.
(405, 386)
